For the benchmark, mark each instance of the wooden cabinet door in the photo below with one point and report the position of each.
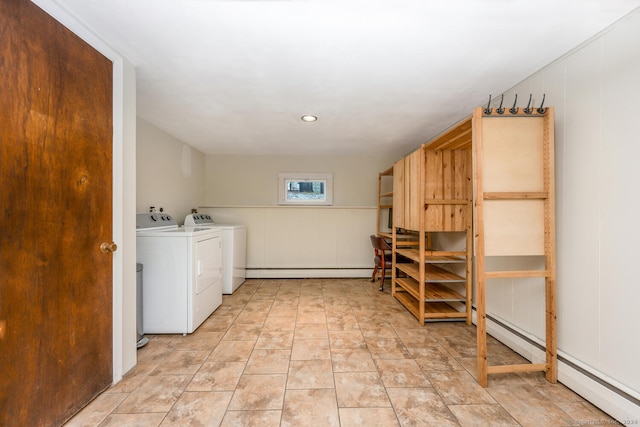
(413, 190)
(56, 209)
(447, 189)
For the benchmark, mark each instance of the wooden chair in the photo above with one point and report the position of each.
(381, 258)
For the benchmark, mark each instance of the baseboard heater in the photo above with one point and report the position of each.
(610, 398)
(308, 273)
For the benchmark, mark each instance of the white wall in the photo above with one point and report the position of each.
(303, 241)
(253, 180)
(595, 90)
(295, 241)
(170, 173)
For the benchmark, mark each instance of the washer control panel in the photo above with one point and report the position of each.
(154, 220)
(198, 219)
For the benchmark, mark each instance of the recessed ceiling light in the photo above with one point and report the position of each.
(309, 118)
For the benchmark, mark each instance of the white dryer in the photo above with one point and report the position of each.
(234, 250)
(182, 283)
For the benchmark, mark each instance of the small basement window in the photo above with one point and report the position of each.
(305, 188)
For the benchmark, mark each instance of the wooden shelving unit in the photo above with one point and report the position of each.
(432, 196)
(491, 177)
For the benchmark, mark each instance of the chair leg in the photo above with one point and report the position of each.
(382, 279)
(375, 272)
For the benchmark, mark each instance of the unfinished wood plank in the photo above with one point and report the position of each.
(410, 304)
(398, 194)
(513, 227)
(462, 190)
(479, 234)
(528, 367)
(446, 202)
(409, 285)
(413, 189)
(550, 247)
(513, 154)
(436, 292)
(513, 195)
(433, 190)
(441, 311)
(521, 274)
(432, 273)
(434, 256)
(456, 137)
(468, 256)
(448, 188)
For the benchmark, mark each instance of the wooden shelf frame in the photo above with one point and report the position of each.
(487, 234)
(383, 202)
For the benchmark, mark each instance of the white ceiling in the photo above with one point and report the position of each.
(235, 76)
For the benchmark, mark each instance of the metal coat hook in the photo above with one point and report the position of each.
(500, 110)
(540, 108)
(529, 110)
(514, 109)
(488, 109)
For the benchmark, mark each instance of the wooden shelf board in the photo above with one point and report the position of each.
(444, 202)
(433, 292)
(409, 302)
(408, 285)
(433, 311)
(439, 257)
(406, 241)
(432, 273)
(441, 310)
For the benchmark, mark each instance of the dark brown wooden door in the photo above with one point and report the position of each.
(55, 210)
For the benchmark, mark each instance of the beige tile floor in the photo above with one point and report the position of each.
(327, 352)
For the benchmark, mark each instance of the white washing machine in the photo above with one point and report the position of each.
(234, 250)
(182, 283)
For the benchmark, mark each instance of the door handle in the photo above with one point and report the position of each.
(108, 247)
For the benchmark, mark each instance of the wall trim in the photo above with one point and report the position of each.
(284, 207)
(307, 273)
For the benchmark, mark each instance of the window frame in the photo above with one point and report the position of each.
(286, 177)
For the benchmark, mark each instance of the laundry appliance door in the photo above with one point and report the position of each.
(206, 278)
